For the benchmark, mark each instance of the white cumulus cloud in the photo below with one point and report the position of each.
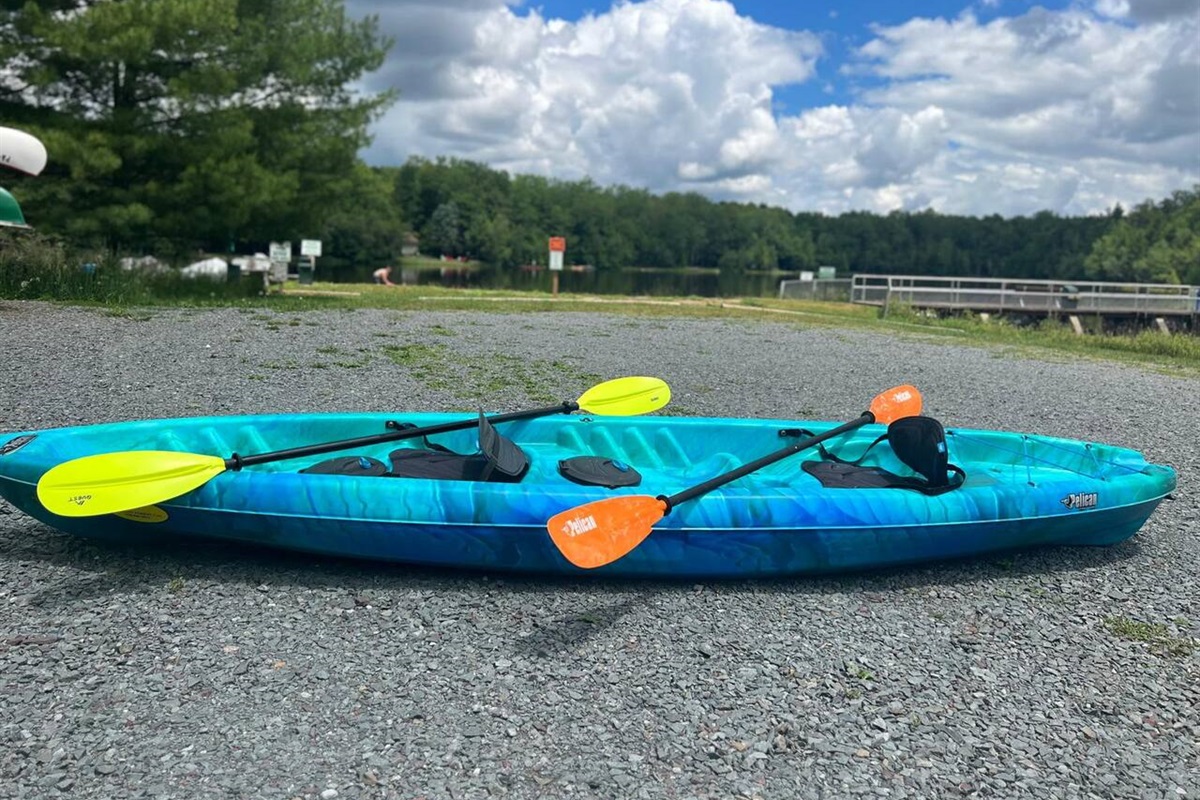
(1049, 102)
(1068, 110)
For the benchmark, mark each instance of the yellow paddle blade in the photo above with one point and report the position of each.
(600, 532)
(897, 402)
(625, 397)
(111, 482)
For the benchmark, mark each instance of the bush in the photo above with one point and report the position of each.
(36, 267)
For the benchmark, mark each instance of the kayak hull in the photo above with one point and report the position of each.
(777, 523)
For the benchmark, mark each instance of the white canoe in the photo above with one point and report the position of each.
(22, 151)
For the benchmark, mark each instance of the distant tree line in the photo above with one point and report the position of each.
(177, 127)
(464, 208)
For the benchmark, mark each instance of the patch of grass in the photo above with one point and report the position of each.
(346, 362)
(1176, 352)
(414, 355)
(289, 364)
(858, 671)
(1043, 595)
(1135, 631)
(475, 380)
(426, 364)
(125, 313)
(1156, 635)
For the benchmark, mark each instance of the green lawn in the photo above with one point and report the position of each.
(1175, 353)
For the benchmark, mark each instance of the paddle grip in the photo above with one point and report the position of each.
(236, 462)
(704, 488)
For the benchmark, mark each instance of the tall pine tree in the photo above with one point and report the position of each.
(183, 124)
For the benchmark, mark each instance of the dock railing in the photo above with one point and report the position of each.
(1021, 296)
(829, 289)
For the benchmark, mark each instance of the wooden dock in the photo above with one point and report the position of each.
(1167, 305)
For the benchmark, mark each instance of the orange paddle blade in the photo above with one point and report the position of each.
(600, 532)
(895, 403)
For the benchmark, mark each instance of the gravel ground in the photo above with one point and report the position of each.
(219, 671)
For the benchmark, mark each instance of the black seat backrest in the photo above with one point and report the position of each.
(919, 442)
(498, 459)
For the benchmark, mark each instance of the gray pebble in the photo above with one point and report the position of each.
(264, 674)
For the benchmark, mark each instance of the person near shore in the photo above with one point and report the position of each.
(383, 276)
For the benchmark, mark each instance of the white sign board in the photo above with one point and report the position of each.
(806, 275)
(558, 246)
(310, 247)
(281, 251)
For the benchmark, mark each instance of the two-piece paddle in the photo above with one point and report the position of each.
(600, 532)
(110, 482)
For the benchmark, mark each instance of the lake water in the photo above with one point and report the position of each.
(653, 282)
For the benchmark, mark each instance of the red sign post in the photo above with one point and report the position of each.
(558, 246)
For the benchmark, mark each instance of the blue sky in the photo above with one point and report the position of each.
(988, 107)
(841, 27)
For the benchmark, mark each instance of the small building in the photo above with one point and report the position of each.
(411, 245)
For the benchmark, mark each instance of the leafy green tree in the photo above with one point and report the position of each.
(444, 233)
(188, 123)
(1155, 243)
(490, 239)
(364, 228)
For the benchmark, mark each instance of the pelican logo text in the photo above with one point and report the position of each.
(80, 499)
(578, 527)
(1079, 500)
(16, 444)
(902, 397)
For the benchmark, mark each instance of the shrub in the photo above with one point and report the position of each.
(36, 267)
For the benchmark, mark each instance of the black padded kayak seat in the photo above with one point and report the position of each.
(919, 442)
(499, 459)
(349, 465)
(837, 475)
(599, 471)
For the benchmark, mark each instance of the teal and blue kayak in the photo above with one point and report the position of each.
(1020, 491)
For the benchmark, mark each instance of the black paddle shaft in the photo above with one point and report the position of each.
(689, 494)
(236, 462)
